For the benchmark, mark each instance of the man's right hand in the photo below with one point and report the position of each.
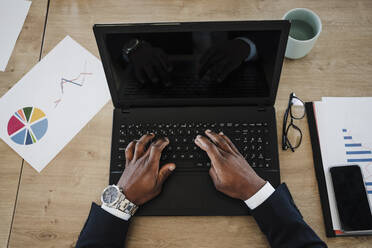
(230, 172)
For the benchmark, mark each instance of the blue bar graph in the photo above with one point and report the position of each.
(351, 160)
(353, 144)
(358, 152)
(348, 138)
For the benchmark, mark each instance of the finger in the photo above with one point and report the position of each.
(164, 61)
(205, 57)
(224, 72)
(218, 140)
(207, 146)
(164, 173)
(139, 76)
(233, 147)
(214, 65)
(129, 151)
(151, 74)
(141, 144)
(164, 76)
(203, 61)
(156, 149)
(215, 69)
(213, 174)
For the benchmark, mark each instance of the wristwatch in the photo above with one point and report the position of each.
(113, 197)
(129, 47)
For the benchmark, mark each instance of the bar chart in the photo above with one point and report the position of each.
(358, 153)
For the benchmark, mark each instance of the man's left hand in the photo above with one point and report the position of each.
(142, 179)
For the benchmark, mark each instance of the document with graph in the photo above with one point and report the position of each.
(41, 113)
(345, 137)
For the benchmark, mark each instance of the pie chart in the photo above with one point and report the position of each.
(27, 126)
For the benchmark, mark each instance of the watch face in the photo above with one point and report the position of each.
(110, 195)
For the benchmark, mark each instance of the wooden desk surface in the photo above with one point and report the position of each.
(25, 55)
(53, 205)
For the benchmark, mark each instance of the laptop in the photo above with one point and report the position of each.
(242, 107)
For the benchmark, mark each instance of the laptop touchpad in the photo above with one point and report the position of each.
(180, 194)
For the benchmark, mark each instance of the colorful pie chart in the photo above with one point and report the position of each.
(27, 126)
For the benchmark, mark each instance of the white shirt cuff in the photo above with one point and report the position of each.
(253, 50)
(260, 196)
(116, 212)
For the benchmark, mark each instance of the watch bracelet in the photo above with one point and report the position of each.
(126, 206)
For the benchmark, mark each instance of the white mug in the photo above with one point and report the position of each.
(305, 29)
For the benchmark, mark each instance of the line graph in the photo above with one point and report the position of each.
(79, 81)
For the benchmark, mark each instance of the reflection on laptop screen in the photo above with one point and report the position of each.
(193, 64)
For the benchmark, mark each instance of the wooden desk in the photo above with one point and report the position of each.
(25, 55)
(53, 205)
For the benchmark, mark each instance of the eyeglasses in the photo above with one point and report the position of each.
(292, 135)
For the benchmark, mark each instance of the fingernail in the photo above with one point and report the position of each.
(152, 134)
(198, 136)
(208, 131)
(171, 168)
(221, 133)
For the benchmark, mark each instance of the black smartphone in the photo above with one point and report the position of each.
(351, 198)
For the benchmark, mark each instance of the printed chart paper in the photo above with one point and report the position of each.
(345, 139)
(12, 16)
(53, 102)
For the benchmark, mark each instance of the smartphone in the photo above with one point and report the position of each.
(351, 198)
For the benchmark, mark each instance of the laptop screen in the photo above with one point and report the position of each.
(191, 65)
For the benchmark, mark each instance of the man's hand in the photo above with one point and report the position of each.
(142, 179)
(219, 61)
(230, 172)
(151, 65)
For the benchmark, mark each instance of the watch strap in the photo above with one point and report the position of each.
(127, 207)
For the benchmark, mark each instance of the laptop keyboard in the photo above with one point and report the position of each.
(251, 139)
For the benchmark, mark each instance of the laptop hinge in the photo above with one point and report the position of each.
(125, 109)
(261, 108)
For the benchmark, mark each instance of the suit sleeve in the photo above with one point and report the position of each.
(282, 223)
(102, 230)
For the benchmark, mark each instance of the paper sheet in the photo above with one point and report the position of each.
(345, 138)
(12, 16)
(52, 103)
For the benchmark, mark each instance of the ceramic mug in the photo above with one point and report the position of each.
(305, 30)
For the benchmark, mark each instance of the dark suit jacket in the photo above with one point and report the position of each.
(278, 218)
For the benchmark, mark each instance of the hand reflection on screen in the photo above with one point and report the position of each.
(220, 60)
(152, 67)
(150, 64)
